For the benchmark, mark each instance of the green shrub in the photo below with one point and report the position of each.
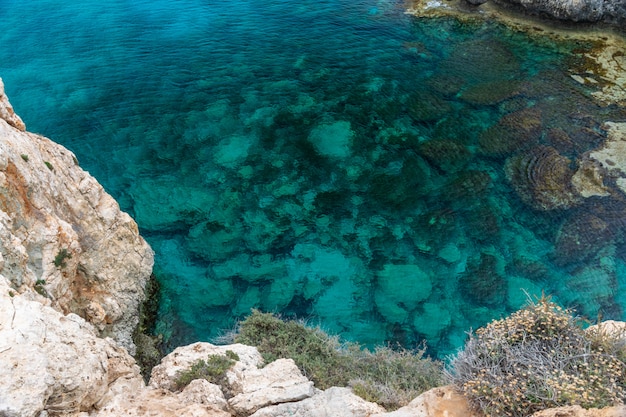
(213, 370)
(61, 256)
(149, 345)
(39, 287)
(394, 377)
(389, 377)
(537, 358)
(316, 353)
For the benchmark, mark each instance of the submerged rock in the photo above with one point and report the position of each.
(467, 185)
(446, 155)
(491, 92)
(332, 140)
(401, 288)
(593, 287)
(560, 140)
(513, 132)
(479, 60)
(542, 178)
(581, 237)
(427, 107)
(484, 281)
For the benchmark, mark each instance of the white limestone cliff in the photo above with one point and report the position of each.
(65, 242)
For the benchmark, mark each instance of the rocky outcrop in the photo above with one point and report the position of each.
(252, 389)
(51, 361)
(329, 403)
(611, 157)
(437, 402)
(65, 243)
(7, 113)
(610, 11)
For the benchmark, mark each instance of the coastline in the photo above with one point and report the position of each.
(603, 64)
(119, 387)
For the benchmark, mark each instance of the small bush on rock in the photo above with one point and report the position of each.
(389, 377)
(213, 370)
(393, 377)
(537, 358)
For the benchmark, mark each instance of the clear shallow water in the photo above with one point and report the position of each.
(331, 160)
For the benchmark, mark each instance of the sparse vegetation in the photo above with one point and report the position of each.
(61, 256)
(49, 165)
(213, 370)
(389, 377)
(149, 345)
(24, 157)
(39, 287)
(537, 358)
(394, 377)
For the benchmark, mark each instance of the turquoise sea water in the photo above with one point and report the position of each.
(334, 160)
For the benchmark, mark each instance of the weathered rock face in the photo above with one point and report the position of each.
(65, 242)
(6, 111)
(249, 388)
(329, 403)
(53, 361)
(612, 11)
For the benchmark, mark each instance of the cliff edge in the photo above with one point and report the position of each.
(65, 242)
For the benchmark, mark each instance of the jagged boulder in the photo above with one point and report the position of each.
(165, 374)
(7, 113)
(248, 386)
(329, 403)
(132, 399)
(279, 382)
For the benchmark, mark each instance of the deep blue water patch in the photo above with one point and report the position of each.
(335, 160)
